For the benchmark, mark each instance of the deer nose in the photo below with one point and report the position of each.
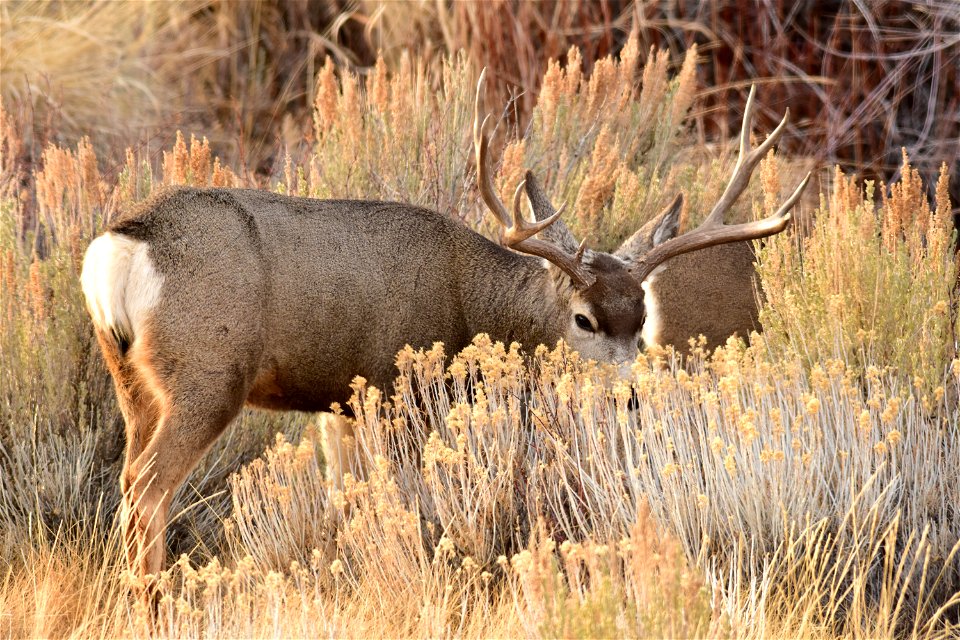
(624, 354)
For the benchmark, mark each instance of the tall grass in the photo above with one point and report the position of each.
(863, 80)
(98, 44)
(804, 486)
(129, 73)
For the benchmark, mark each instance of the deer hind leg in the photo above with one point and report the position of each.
(141, 413)
(140, 406)
(195, 409)
(339, 448)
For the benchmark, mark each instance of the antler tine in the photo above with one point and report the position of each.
(747, 160)
(578, 256)
(713, 231)
(481, 144)
(517, 232)
(521, 229)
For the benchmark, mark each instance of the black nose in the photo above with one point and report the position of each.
(634, 403)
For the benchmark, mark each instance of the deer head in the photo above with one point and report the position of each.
(602, 294)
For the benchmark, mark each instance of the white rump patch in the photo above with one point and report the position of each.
(654, 322)
(120, 283)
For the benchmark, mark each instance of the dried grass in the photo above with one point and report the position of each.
(805, 486)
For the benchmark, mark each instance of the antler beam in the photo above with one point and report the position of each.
(713, 231)
(517, 232)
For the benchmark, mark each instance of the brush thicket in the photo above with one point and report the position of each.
(802, 486)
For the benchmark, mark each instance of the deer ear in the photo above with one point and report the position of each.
(658, 230)
(557, 233)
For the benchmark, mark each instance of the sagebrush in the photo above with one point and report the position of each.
(804, 485)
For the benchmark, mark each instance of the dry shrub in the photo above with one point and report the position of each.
(193, 166)
(528, 34)
(392, 573)
(608, 144)
(129, 71)
(10, 149)
(863, 81)
(810, 507)
(403, 137)
(605, 143)
(639, 587)
(871, 283)
(862, 580)
(278, 515)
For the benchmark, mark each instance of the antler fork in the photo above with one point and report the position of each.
(713, 231)
(517, 233)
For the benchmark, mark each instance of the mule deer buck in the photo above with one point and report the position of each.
(206, 299)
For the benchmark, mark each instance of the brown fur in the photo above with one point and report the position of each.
(279, 302)
(710, 292)
(616, 298)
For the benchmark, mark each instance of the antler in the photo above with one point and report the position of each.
(517, 233)
(713, 232)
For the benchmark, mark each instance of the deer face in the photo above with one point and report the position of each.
(606, 318)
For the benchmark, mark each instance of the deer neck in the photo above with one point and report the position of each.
(511, 297)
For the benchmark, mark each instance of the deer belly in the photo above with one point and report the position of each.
(294, 389)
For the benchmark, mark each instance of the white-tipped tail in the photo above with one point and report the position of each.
(120, 283)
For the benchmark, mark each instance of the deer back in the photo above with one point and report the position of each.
(304, 294)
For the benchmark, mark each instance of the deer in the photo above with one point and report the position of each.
(204, 300)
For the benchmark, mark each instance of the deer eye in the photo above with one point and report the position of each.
(584, 323)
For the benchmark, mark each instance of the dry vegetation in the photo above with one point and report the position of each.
(806, 485)
(863, 79)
